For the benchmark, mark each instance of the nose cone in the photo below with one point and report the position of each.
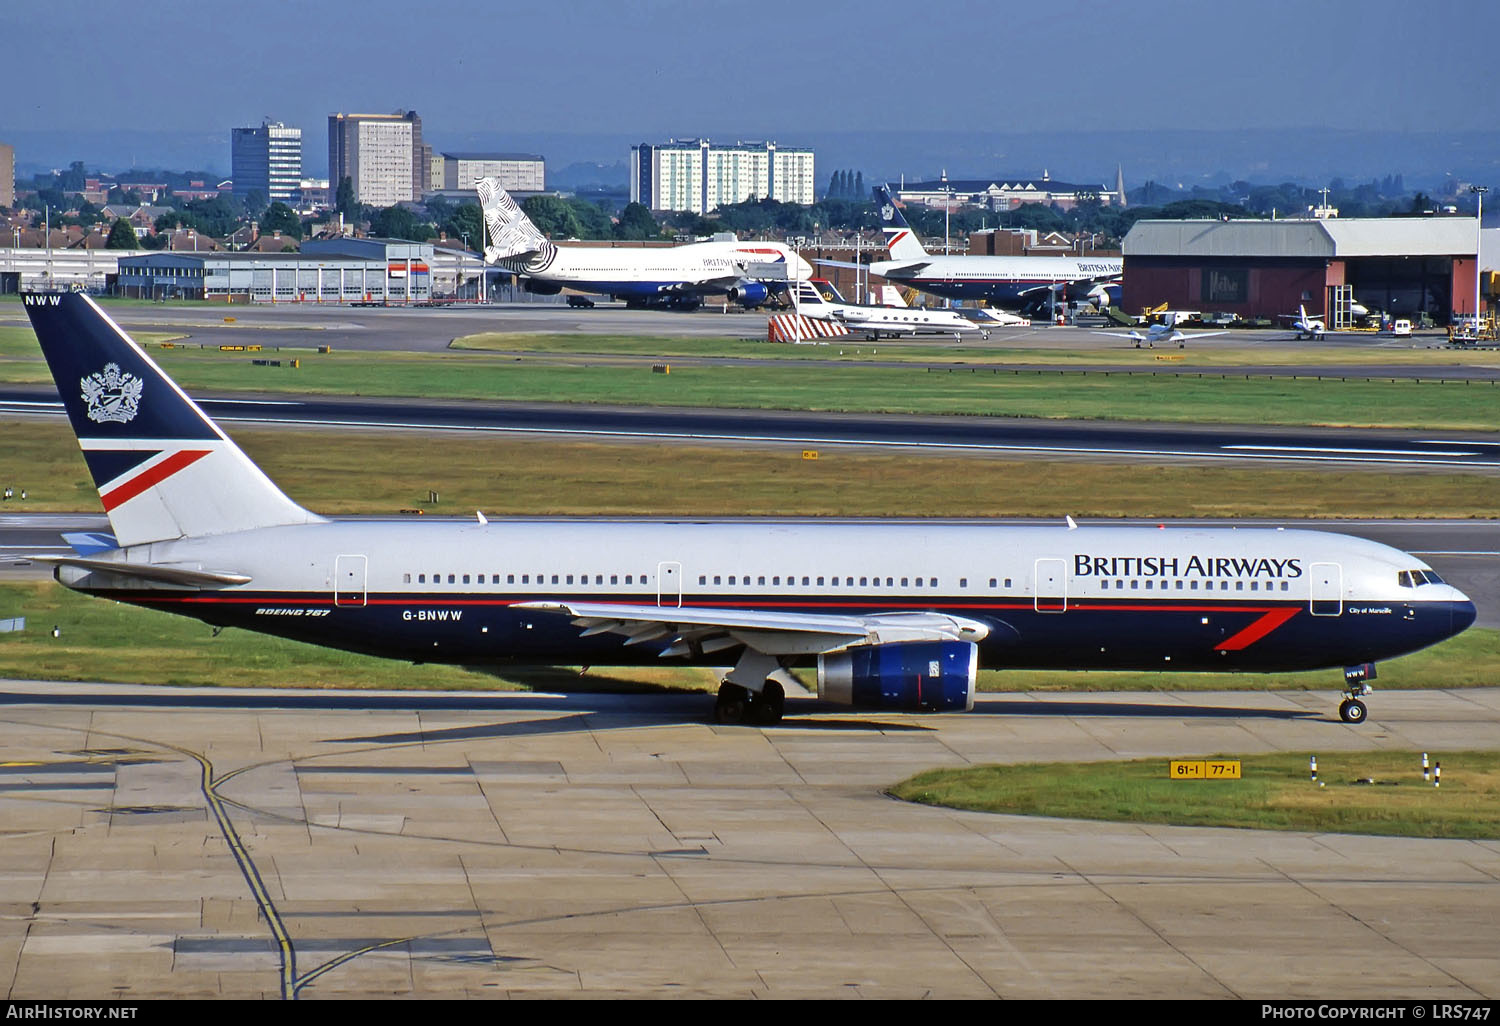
(1464, 614)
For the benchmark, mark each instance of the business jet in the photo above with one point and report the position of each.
(679, 277)
(1014, 283)
(1162, 333)
(818, 299)
(893, 615)
(1308, 327)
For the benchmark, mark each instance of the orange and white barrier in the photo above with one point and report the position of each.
(797, 328)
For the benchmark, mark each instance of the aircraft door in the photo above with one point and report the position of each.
(349, 574)
(669, 584)
(1051, 586)
(1325, 589)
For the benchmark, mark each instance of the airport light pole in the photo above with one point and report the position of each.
(463, 260)
(1478, 191)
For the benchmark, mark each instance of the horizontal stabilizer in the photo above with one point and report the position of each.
(906, 270)
(86, 543)
(147, 571)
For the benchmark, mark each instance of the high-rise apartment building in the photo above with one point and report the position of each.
(267, 160)
(698, 176)
(381, 154)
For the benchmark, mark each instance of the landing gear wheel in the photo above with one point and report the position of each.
(770, 705)
(732, 706)
(1352, 710)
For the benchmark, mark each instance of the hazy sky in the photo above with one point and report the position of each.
(784, 70)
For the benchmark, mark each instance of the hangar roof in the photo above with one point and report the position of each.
(1333, 238)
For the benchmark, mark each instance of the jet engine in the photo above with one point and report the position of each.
(920, 676)
(749, 295)
(541, 288)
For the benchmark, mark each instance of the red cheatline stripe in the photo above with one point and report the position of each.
(152, 476)
(1257, 630)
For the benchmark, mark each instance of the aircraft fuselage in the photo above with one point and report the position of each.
(1091, 598)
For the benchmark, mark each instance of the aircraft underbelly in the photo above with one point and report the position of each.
(1088, 634)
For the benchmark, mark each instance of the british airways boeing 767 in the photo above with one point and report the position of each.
(892, 615)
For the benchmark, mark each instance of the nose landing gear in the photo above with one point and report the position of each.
(1357, 685)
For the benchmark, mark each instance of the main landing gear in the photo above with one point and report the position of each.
(737, 705)
(751, 692)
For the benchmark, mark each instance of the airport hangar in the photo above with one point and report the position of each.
(1403, 266)
(324, 271)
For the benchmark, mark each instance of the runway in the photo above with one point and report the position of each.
(172, 843)
(984, 435)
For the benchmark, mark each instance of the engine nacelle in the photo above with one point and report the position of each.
(541, 288)
(920, 676)
(749, 295)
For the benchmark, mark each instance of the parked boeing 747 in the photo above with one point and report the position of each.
(1012, 283)
(748, 273)
(891, 615)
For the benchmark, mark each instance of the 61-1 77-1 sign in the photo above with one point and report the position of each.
(1205, 769)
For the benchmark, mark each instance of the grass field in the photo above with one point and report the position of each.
(1364, 793)
(1154, 394)
(330, 472)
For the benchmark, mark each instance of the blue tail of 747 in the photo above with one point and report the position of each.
(899, 238)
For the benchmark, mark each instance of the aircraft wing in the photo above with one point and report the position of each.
(1119, 334)
(164, 573)
(771, 273)
(1203, 334)
(700, 629)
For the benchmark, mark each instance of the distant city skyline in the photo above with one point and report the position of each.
(976, 88)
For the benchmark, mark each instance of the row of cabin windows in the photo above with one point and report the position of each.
(830, 582)
(718, 579)
(833, 582)
(524, 578)
(1119, 585)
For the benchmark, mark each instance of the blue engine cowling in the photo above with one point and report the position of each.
(921, 676)
(749, 295)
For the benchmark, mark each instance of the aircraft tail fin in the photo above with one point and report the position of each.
(510, 232)
(891, 296)
(899, 238)
(163, 468)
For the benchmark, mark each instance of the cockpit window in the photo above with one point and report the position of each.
(1404, 579)
(1417, 578)
(1432, 578)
